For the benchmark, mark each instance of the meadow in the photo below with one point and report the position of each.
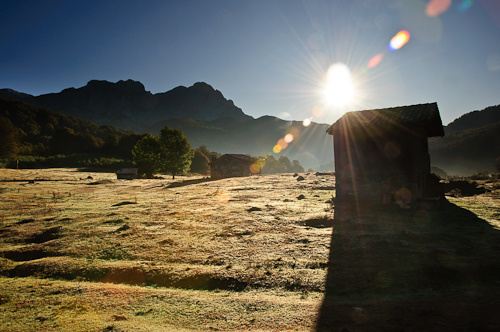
(83, 251)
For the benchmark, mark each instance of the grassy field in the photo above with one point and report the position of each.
(86, 252)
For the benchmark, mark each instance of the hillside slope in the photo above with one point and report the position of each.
(471, 143)
(475, 119)
(43, 132)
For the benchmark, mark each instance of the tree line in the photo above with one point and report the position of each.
(171, 153)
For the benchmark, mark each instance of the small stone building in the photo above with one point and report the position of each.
(230, 165)
(127, 173)
(382, 157)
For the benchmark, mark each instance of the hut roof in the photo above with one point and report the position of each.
(127, 171)
(240, 157)
(406, 117)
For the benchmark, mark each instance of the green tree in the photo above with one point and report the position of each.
(272, 166)
(127, 143)
(203, 149)
(111, 144)
(9, 144)
(175, 152)
(199, 163)
(91, 143)
(297, 167)
(286, 164)
(66, 141)
(146, 155)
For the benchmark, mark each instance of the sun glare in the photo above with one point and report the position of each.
(339, 88)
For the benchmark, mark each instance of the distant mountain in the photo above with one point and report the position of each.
(127, 105)
(471, 143)
(200, 111)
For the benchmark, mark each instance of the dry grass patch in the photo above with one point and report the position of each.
(246, 244)
(254, 253)
(30, 304)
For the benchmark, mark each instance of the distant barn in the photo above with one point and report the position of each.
(382, 156)
(127, 173)
(231, 165)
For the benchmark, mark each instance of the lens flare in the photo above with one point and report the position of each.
(437, 7)
(375, 60)
(401, 38)
(256, 166)
(294, 131)
(306, 122)
(465, 5)
(282, 143)
(223, 196)
(317, 111)
(277, 149)
(403, 196)
(284, 116)
(288, 138)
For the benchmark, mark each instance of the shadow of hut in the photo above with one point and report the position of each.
(416, 270)
(402, 258)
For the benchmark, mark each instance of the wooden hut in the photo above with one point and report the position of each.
(127, 173)
(382, 156)
(230, 165)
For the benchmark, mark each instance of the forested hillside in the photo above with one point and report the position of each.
(471, 143)
(475, 119)
(40, 137)
(31, 131)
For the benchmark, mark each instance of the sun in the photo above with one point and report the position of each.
(339, 89)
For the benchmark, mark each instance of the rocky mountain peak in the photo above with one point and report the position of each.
(202, 86)
(128, 86)
(127, 104)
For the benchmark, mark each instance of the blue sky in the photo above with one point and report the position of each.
(270, 57)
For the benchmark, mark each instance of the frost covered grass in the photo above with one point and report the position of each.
(86, 252)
